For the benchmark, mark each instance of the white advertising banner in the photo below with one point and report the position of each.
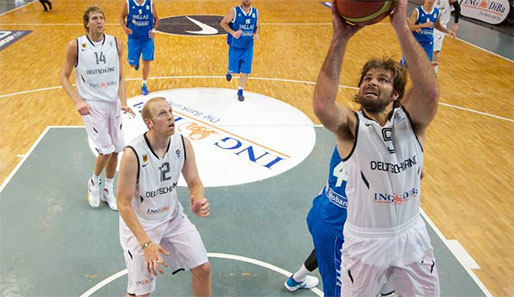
(489, 11)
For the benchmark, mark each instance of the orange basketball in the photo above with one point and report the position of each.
(362, 13)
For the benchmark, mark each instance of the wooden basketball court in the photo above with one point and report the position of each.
(469, 169)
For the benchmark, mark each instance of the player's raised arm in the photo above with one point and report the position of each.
(332, 115)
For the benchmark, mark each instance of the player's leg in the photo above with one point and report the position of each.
(134, 48)
(301, 278)
(97, 127)
(201, 276)
(148, 56)
(246, 69)
(44, 5)
(187, 252)
(438, 45)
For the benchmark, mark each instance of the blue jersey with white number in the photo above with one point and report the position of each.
(140, 18)
(426, 34)
(331, 203)
(246, 23)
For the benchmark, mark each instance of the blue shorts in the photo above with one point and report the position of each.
(328, 240)
(240, 60)
(137, 46)
(428, 47)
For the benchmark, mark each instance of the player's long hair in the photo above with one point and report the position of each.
(399, 76)
(87, 12)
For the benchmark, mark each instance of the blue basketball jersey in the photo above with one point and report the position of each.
(140, 18)
(427, 34)
(331, 203)
(246, 23)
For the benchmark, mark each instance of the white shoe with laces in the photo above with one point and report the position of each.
(93, 193)
(109, 197)
(309, 282)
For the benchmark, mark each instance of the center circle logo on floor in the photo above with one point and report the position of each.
(234, 142)
(192, 25)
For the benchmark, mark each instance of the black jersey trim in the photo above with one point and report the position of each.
(357, 122)
(137, 157)
(77, 59)
(116, 42)
(177, 271)
(92, 43)
(149, 146)
(365, 180)
(412, 127)
(184, 147)
(387, 294)
(151, 149)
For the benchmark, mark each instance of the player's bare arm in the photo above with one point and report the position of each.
(338, 119)
(123, 16)
(225, 24)
(122, 91)
(423, 95)
(199, 204)
(67, 69)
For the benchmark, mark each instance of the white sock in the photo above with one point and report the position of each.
(435, 68)
(96, 179)
(241, 88)
(144, 82)
(301, 274)
(109, 182)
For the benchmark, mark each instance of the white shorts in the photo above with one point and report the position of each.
(179, 237)
(438, 40)
(104, 126)
(406, 260)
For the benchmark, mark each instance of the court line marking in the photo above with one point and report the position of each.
(255, 78)
(445, 241)
(16, 8)
(425, 216)
(31, 149)
(211, 255)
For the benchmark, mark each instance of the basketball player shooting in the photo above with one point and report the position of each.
(381, 149)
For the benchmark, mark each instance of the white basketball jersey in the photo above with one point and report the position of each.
(155, 200)
(384, 172)
(97, 70)
(444, 8)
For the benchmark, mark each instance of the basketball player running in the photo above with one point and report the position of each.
(444, 8)
(326, 221)
(242, 25)
(154, 230)
(422, 22)
(381, 149)
(140, 24)
(96, 57)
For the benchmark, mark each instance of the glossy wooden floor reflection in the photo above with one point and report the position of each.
(469, 171)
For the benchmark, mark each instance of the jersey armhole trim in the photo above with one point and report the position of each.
(116, 42)
(412, 127)
(137, 158)
(184, 147)
(77, 59)
(357, 124)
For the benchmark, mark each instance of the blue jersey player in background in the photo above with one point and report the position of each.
(242, 25)
(140, 24)
(326, 220)
(422, 22)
